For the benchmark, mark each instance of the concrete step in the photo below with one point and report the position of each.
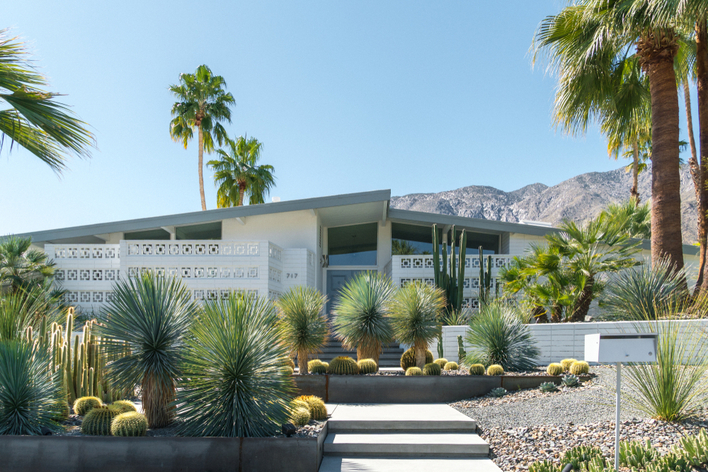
(393, 464)
(393, 418)
(406, 444)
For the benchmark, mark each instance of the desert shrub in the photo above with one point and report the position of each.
(302, 322)
(636, 455)
(498, 392)
(554, 369)
(548, 387)
(477, 369)
(412, 371)
(451, 366)
(408, 358)
(441, 362)
(432, 369)
(566, 363)
(495, 369)
(83, 405)
(579, 368)
(130, 423)
(367, 366)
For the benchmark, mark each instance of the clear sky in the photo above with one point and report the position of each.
(346, 96)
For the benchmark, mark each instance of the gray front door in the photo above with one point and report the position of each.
(336, 280)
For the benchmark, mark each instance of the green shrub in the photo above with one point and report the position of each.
(414, 371)
(581, 455)
(637, 455)
(302, 322)
(548, 387)
(694, 448)
(554, 369)
(579, 368)
(234, 384)
(316, 366)
(477, 369)
(544, 466)
(367, 366)
(300, 416)
(85, 404)
(97, 421)
(570, 380)
(408, 358)
(451, 366)
(432, 369)
(130, 423)
(441, 362)
(566, 363)
(498, 392)
(343, 365)
(498, 335)
(669, 463)
(315, 405)
(495, 369)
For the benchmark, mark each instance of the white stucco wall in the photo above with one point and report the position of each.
(297, 229)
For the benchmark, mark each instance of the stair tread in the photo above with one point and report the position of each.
(466, 439)
(407, 464)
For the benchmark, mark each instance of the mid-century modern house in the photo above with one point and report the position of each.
(267, 248)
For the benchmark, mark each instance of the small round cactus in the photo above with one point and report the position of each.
(367, 366)
(566, 363)
(579, 367)
(570, 380)
(287, 370)
(432, 369)
(495, 369)
(290, 362)
(315, 405)
(124, 406)
(498, 392)
(412, 371)
(408, 358)
(554, 369)
(316, 366)
(97, 422)
(477, 369)
(300, 416)
(451, 366)
(441, 362)
(130, 423)
(85, 404)
(548, 387)
(343, 365)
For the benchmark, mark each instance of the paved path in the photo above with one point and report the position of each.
(410, 438)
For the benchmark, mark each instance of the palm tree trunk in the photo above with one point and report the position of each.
(157, 401)
(302, 361)
(658, 49)
(693, 160)
(582, 305)
(241, 193)
(634, 191)
(420, 349)
(201, 167)
(702, 76)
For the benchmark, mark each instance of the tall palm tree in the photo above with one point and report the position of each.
(34, 120)
(203, 104)
(237, 175)
(21, 265)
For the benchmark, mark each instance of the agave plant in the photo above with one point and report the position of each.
(415, 309)
(497, 335)
(234, 384)
(302, 322)
(144, 331)
(361, 319)
(30, 399)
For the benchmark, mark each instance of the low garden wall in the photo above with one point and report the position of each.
(564, 340)
(149, 454)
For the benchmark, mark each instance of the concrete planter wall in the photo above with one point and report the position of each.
(113, 454)
(401, 389)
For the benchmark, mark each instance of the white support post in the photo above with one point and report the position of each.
(617, 415)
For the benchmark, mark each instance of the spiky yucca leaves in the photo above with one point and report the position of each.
(360, 315)
(415, 309)
(130, 423)
(23, 309)
(29, 398)
(497, 335)
(144, 332)
(302, 322)
(83, 405)
(234, 384)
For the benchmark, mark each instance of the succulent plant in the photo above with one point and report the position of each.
(290, 362)
(124, 406)
(85, 404)
(441, 362)
(296, 403)
(408, 358)
(694, 448)
(669, 463)
(316, 366)
(495, 369)
(432, 369)
(368, 366)
(636, 455)
(581, 455)
(579, 367)
(544, 466)
(570, 380)
(554, 369)
(451, 366)
(130, 423)
(300, 416)
(315, 405)
(343, 365)
(288, 370)
(461, 353)
(412, 371)
(547, 387)
(566, 363)
(97, 421)
(498, 392)
(477, 369)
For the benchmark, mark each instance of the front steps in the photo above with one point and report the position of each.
(403, 437)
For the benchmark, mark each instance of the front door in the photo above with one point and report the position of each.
(336, 280)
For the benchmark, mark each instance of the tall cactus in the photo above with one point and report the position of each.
(485, 278)
(452, 283)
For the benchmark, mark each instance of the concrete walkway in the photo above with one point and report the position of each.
(391, 438)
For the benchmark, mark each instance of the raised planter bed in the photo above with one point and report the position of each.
(149, 454)
(401, 389)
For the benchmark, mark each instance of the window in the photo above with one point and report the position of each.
(204, 231)
(156, 234)
(412, 239)
(352, 245)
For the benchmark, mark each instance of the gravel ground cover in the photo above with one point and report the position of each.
(529, 425)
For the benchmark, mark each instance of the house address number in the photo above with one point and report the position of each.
(291, 275)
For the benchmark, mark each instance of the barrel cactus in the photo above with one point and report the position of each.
(570, 380)
(408, 358)
(579, 368)
(315, 405)
(290, 362)
(498, 392)
(495, 369)
(367, 366)
(343, 365)
(124, 406)
(288, 370)
(432, 369)
(300, 416)
(451, 366)
(547, 387)
(83, 405)
(316, 366)
(97, 422)
(441, 362)
(555, 369)
(413, 371)
(477, 369)
(130, 423)
(566, 363)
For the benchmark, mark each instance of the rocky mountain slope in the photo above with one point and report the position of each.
(578, 199)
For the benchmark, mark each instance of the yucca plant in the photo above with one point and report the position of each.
(234, 384)
(360, 315)
(30, 399)
(415, 309)
(24, 309)
(144, 332)
(497, 335)
(302, 322)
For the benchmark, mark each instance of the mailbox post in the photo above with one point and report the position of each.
(618, 348)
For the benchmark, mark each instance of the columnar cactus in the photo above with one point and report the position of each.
(554, 369)
(451, 366)
(477, 369)
(408, 358)
(441, 362)
(368, 366)
(495, 369)
(579, 367)
(85, 404)
(97, 422)
(343, 365)
(130, 423)
(432, 369)
(413, 371)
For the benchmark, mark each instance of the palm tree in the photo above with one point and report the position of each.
(203, 104)
(628, 218)
(237, 175)
(302, 322)
(34, 119)
(21, 265)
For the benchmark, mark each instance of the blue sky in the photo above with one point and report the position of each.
(346, 97)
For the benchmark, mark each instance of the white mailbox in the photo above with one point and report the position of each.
(611, 348)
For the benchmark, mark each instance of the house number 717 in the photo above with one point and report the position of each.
(291, 275)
